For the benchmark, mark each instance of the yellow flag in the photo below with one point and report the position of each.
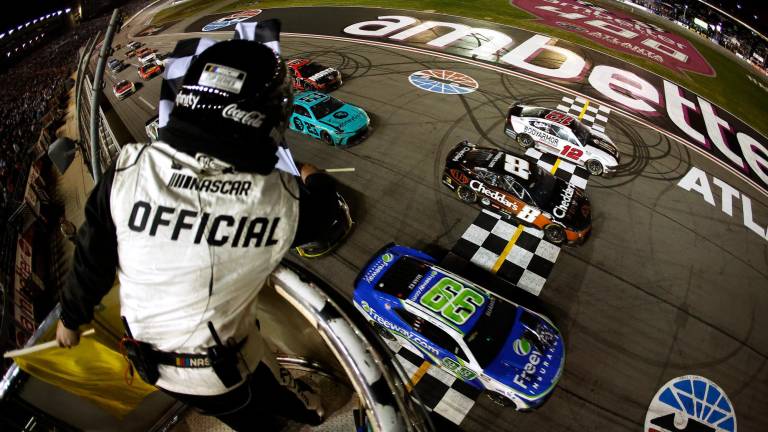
(90, 370)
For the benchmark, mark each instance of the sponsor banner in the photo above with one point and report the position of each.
(564, 66)
(23, 311)
(230, 20)
(620, 32)
(690, 403)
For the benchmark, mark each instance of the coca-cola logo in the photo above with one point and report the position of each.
(249, 118)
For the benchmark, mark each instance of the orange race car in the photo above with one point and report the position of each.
(148, 71)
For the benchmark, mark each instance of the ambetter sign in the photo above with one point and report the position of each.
(620, 32)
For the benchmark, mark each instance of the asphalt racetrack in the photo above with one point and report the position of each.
(667, 285)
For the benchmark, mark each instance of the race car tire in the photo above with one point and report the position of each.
(326, 137)
(466, 194)
(382, 332)
(554, 234)
(594, 166)
(525, 141)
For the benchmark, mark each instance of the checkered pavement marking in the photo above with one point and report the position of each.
(517, 254)
(563, 169)
(593, 116)
(439, 391)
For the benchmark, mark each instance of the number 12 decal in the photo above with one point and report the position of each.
(572, 152)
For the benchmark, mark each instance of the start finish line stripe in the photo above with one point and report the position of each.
(584, 110)
(554, 167)
(418, 375)
(507, 248)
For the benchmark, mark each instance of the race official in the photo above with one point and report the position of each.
(192, 225)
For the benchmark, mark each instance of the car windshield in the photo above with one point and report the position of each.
(533, 112)
(490, 333)
(310, 69)
(402, 276)
(582, 132)
(326, 107)
(541, 185)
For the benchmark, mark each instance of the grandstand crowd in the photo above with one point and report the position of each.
(35, 87)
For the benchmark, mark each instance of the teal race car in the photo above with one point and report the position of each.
(323, 116)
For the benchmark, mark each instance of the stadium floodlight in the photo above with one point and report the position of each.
(58, 13)
(2, 35)
(10, 31)
(27, 24)
(68, 10)
(18, 28)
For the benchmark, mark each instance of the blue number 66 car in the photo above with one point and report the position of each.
(513, 353)
(323, 116)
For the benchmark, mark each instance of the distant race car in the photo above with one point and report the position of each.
(134, 45)
(515, 354)
(561, 134)
(308, 75)
(325, 117)
(147, 58)
(145, 50)
(519, 189)
(148, 71)
(116, 65)
(123, 89)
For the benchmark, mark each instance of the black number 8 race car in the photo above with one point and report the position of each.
(518, 189)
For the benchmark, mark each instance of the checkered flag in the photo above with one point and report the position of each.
(517, 254)
(186, 51)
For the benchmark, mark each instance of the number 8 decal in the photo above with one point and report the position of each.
(528, 214)
(517, 166)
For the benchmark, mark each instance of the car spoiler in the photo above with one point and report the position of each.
(371, 260)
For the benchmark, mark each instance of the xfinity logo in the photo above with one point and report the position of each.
(496, 195)
(249, 118)
(187, 100)
(560, 210)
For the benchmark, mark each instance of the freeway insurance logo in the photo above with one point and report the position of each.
(692, 404)
(443, 81)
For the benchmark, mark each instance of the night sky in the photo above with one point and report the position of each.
(19, 12)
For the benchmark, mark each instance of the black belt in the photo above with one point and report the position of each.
(190, 361)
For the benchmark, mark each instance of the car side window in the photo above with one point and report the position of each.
(300, 110)
(487, 176)
(432, 333)
(566, 134)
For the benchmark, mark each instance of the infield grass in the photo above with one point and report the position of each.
(729, 88)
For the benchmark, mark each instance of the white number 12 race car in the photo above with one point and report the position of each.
(558, 133)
